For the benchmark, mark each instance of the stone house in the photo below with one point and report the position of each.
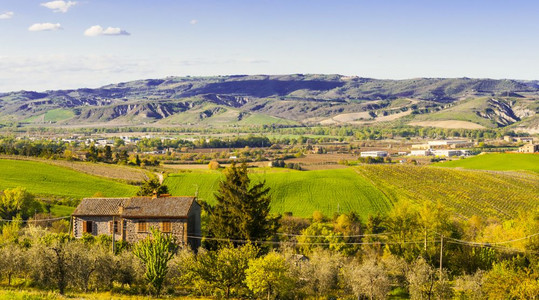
(529, 148)
(130, 219)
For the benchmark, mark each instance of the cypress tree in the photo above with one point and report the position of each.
(242, 210)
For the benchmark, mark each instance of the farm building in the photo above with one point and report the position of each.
(449, 143)
(374, 154)
(529, 148)
(130, 219)
(449, 152)
(440, 152)
(420, 152)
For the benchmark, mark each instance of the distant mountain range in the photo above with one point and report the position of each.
(285, 99)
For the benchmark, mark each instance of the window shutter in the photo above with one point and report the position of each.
(111, 227)
(84, 226)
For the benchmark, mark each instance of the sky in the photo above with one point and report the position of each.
(59, 44)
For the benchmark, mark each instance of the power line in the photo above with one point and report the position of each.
(495, 243)
(342, 236)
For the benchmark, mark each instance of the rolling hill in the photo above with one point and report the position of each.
(372, 189)
(279, 99)
(46, 180)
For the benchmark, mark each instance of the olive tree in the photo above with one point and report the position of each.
(369, 279)
(12, 262)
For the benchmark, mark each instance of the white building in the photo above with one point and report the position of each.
(448, 143)
(374, 154)
(420, 152)
(450, 152)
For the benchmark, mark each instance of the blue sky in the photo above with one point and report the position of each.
(89, 43)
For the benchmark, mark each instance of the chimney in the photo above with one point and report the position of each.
(120, 210)
(154, 194)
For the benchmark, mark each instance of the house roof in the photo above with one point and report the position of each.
(136, 207)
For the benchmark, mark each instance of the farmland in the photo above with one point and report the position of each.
(467, 192)
(302, 193)
(366, 189)
(497, 162)
(44, 179)
(370, 189)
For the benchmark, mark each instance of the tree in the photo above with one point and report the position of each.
(152, 186)
(12, 262)
(224, 268)
(370, 279)
(424, 282)
(155, 252)
(321, 272)
(242, 210)
(52, 261)
(18, 201)
(269, 275)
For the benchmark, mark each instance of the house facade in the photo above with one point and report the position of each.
(529, 148)
(130, 219)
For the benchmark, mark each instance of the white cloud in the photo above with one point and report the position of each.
(59, 5)
(45, 27)
(6, 15)
(97, 30)
(193, 22)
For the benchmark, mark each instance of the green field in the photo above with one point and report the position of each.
(44, 179)
(299, 192)
(369, 189)
(497, 162)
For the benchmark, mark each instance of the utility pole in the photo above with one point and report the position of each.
(441, 253)
(113, 235)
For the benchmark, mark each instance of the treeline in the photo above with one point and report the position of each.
(328, 132)
(37, 148)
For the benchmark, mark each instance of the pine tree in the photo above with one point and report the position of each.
(242, 210)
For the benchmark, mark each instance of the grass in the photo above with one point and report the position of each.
(497, 162)
(59, 114)
(299, 192)
(62, 210)
(371, 189)
(262, 119)
(54, 115)
(44, 179)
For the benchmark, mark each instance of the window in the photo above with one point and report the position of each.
(166, 227)
(114, 226)
(87, 226)
(142, 226)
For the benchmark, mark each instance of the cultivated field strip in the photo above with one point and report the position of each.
(467, 192)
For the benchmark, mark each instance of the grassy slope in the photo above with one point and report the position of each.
(497, 162)
(298, 192)
(462, 111)
(467, 192)
(43, 179)
(372, 188)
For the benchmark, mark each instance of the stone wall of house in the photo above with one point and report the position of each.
(100, 225)
(132, 235)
